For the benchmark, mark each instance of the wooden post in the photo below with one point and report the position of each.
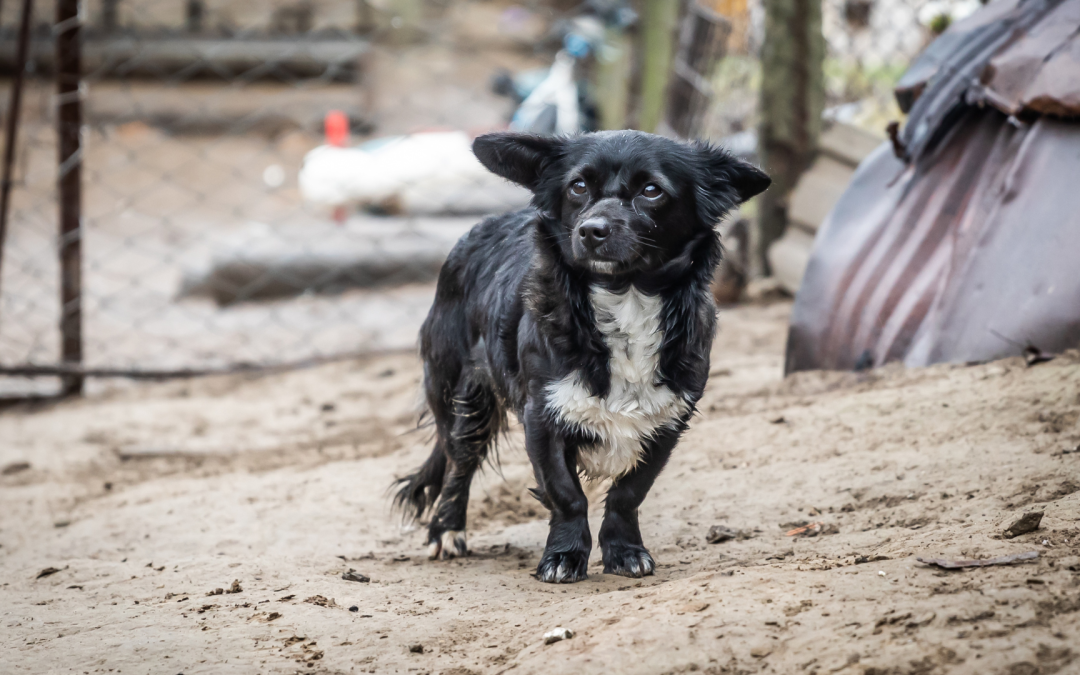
(792, 99)
(69, 186)
(110, 14)
(658, 21)
(702, 43)
(194, 16)
(11, 130)
(613, 78)
(406, 18)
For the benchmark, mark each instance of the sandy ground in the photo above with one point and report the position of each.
(147, 498)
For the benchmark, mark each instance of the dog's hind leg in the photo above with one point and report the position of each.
(420, 490)
(476, 422)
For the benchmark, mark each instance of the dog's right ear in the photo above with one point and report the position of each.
(517, 157)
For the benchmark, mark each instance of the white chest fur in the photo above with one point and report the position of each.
(635, 407)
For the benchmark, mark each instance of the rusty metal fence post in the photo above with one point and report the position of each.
(69, 188)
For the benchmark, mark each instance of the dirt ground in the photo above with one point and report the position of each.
(147, 498)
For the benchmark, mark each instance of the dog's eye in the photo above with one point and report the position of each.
(578, 188)
(651, 192)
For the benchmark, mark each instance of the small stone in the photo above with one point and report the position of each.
(1029, 522)
(353, 575)
(557, 635)
(14, 468)
(354, 608)
(718, 534)
(760, 651)
(416, 649)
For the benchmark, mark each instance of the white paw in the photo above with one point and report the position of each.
(451, 544)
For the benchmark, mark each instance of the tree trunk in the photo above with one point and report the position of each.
(613, 65)
(792, 99)
(658, 21)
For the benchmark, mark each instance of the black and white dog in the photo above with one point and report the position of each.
(588, 315)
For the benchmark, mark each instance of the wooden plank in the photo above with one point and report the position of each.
(304, 257)
(847, 143)
(818, 191)
(788, 257)
(192, 57)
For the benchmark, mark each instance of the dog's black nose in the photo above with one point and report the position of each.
(594, 231)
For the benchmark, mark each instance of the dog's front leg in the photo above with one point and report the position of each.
(620, 536)
(566, 555)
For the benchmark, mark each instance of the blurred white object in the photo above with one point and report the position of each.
(557, 635)
(274, 176)
(954, 9)
(421, 174)
(557, 94)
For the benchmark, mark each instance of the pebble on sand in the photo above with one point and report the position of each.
(557, 635)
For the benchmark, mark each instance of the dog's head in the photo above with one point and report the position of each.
(622, 201)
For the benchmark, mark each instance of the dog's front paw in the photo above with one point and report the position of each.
(447, 544)
(563, 568)
(628, 560)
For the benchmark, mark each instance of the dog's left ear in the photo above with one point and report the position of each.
(517, 157)
(729, 182)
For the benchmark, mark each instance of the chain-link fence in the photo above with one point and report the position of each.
(869, 44)
(198, 249)
(204, 246)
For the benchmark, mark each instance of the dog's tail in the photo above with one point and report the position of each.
(420, 490)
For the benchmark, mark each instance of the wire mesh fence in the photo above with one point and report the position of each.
(199, 251)
(869, 44)
(214, 237)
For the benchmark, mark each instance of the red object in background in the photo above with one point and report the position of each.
(337, 128)
(336, 125)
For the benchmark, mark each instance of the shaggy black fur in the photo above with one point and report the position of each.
(513, 313)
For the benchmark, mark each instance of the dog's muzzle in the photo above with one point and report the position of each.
(594, 232)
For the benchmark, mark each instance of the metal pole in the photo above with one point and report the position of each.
(69, 186)
(14, 107)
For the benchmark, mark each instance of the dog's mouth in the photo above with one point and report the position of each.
(603, 266)
(612, 259)
(615, 254)
(604, 261)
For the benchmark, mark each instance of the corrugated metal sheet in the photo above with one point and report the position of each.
(1040, 72)
(967, 248)
(992, 57)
